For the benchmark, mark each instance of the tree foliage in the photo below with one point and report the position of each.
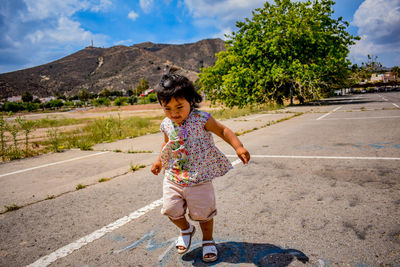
(396, 72)
(27, 97)
(287, 48)
(143, 86)
(365, 71)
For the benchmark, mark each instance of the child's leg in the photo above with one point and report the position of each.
(207, 229)
(182, 223)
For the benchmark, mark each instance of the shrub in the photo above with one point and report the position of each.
(13, 106)
(32, 106)
(103, 101)
(151, 98)
(120, 101)
(132, 100)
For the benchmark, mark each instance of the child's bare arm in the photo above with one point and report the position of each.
(228, 136)
(157, 166)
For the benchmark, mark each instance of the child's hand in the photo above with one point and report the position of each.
(156, 168)
(243, 154)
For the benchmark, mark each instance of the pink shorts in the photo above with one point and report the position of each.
(199, 199)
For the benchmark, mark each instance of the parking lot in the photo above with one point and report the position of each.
(322, 189)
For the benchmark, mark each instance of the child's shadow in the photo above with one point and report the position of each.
(243, 252)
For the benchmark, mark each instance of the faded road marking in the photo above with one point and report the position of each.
(258, 116)
(397, 106)
(51, 164)
(327, 114)
(318, 157)
(363, 118)
(68, 249)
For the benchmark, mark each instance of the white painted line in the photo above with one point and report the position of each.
(323, 116)
(68, 249)
(383, 97)
(395, 105)
(51, 164)
(236, 161)
(318, 157)
(258, 116)
(363, 118)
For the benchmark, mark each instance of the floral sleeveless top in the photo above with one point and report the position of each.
(190, 157)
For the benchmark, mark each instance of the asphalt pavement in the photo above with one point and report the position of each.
(321, 189)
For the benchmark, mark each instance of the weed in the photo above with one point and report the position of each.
(139, 151)
(27, 126)
(136, 167)
(239, 112)
(14, 129)
(84, 145)
(51, 197)
(57, 122)
(104, 180)
(80, 186)
(12, 207)
(54, 139)
(3, 126)
(13, 154)
(118, 150)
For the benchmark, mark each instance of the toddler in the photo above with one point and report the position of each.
(191, 161)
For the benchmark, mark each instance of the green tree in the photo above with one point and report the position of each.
(27, 97)
(286, 49)
(83, 95)
(143, 86)
(105, 93)
(359, 74)
(129, 92)
(120, 101)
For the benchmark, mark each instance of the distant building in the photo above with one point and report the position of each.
(382, 77)
(47, 99)
(147, 92)
(14, 99)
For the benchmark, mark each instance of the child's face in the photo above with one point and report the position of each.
(177, 110)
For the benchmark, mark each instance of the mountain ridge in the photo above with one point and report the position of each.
(115, 68)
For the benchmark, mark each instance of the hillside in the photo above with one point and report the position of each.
(114, 68)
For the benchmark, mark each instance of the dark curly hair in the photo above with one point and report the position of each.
(177, 86)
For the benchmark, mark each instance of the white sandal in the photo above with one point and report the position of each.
(185, 239)
(209, 248)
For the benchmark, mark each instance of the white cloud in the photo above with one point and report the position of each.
(224, 13)
(378, 23)
(66, 32)
(38, 31)
(146, 5)
(133, 15)
(42, 9)
(102, 6)
(226, 10)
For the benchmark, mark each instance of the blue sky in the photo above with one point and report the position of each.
(35, 32)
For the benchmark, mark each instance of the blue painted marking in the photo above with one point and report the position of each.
(229, 252)
(379, 145)
(137, 243)
(358, 145)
